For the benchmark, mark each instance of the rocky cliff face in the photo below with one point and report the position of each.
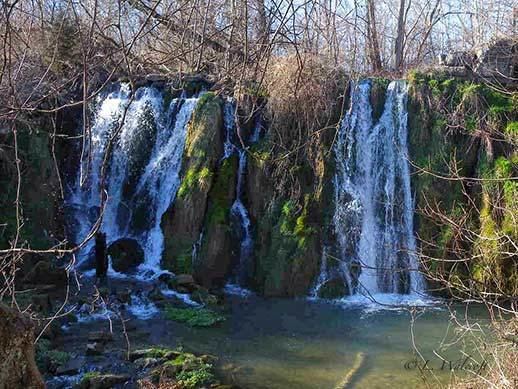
(460, 129)
(182, 224)
(453, 124)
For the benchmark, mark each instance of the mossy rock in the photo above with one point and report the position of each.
(332, 289)
(183, 222)
(194, 317)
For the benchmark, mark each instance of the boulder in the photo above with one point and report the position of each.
(156, 294)
(184, 280)
(126, 254)
(203, 296)
(103, 381)
(17, 367)
(94, 348)
(46, 273)
(72, 367)
(145, 363)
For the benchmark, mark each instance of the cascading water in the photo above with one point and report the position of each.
(143, 170)
(373, 219)
(241, 213)
(242, 272)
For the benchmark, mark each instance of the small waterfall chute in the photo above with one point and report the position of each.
(243, 271)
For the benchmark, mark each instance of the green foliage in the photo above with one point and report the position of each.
(160, 352)
(194, 317)
(195, 378)
(48, 359)
(511, 128)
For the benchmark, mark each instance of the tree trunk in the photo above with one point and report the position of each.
(372, 37)
(400, 38)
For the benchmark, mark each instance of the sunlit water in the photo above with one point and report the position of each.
(314, 344)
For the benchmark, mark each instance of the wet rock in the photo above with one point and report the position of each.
(203, 296)
(103, 381)
(156, 295)
(153, 353)
(182, 289)
(184, 280)
(147, 362)
(45, 273)
(72, 367)
(95, 348)
(17, 367)
(126, 254)
(51, 331)
(333, 288)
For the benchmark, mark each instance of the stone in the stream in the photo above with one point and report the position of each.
(126, 254)
(153, 352)
(17, 366)
(184, 280)
(94, 348)
(203, 296)
(332, 288)
(103, 381)
(145, 363)
(72, 367)
(156, 294)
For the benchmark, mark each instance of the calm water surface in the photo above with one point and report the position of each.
(313, 344)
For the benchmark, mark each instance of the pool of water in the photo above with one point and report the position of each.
(278, 343)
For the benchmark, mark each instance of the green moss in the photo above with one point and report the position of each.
(48, 359)
(511, 128)
(183, 262)
(194, 317)
(194, 179)
(89, 375)
(197, 377)
(160, 352)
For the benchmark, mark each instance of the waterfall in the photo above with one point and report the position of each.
(373, 219)
(238, 210)
(143, 170)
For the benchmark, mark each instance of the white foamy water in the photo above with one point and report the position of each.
(373, 219)
(142, 171)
